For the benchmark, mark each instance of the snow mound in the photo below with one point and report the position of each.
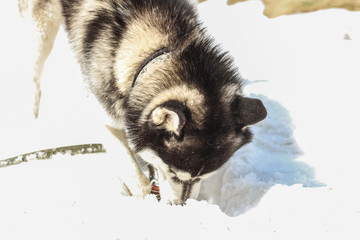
(271, 158)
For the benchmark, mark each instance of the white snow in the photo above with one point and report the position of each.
(297, 180)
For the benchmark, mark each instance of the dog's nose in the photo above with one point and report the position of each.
(176, 202)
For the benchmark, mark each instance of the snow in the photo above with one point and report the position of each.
(297, 180)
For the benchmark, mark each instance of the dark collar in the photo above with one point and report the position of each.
(153, 56)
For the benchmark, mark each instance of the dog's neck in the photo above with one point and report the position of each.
(153, 175)
(153, 57)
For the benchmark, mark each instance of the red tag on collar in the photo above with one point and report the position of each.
(156, 191)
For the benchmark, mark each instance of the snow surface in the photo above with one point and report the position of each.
(297, 180)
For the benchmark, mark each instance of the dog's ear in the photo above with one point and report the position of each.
(171, 115)
(248, 111)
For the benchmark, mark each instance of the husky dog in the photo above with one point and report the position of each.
(174, 97)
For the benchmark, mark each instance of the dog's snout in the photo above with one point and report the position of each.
(176, 202)
(177, 192)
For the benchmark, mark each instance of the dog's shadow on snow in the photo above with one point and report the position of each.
(271, 158)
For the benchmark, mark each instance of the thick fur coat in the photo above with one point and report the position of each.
(174, 97)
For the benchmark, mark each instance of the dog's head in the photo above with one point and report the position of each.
(192, 121)
(184, 154)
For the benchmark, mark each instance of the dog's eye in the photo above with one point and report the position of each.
(176, 179)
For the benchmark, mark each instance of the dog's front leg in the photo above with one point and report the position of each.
(118, 150)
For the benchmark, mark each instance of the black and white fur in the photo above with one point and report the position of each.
(174, 97)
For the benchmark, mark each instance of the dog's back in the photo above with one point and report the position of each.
(112, 38)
